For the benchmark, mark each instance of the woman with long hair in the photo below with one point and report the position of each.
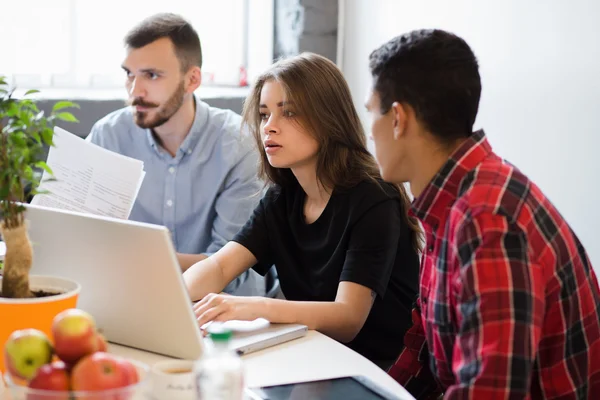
(344, 246)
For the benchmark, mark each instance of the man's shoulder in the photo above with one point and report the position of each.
(227, 122)
(495, 187)
(121, 118)
(224, 115)
(112, 126)
(229, 133)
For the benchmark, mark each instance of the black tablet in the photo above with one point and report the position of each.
(347, 388)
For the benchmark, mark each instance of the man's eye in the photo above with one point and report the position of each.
(152, 75)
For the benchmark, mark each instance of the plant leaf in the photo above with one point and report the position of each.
(47, 135)
(4, 191)
(64, 104)
(37, 137)
(41, 191)
(32, 91)
(18, 139)
(44, 166)
(28, 171)
(67, 117)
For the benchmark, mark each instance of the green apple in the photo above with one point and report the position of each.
(25, 351)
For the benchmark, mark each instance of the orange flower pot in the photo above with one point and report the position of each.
(37, 312)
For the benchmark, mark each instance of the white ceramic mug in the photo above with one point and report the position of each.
(173, 380)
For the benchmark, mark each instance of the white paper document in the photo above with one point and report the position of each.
(89, 178)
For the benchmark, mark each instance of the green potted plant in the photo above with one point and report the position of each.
(25, 133)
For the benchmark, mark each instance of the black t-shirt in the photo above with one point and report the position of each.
(360, 237)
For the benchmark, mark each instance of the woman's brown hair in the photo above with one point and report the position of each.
(323, 103)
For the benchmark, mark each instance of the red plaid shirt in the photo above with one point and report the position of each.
(509, 305)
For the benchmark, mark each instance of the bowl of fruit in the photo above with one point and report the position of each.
(76, 366)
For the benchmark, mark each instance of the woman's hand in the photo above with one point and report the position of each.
(224, 307)
(341, 319)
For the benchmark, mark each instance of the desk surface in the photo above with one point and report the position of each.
(314, 356)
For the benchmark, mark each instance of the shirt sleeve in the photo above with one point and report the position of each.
(255, 235)
(235, 203)
(372, 248)
(500, 306)
(411, 369)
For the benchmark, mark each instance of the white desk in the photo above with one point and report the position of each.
(314, 356)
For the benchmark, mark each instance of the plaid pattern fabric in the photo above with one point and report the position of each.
(509, 305)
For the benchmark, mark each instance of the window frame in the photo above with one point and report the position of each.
(76, 80)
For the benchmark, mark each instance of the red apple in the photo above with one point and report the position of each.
(51, 377)
(75, 336)
(25, 351)
(129, 370)
(102, 344)
(69, 367)
(98, 371)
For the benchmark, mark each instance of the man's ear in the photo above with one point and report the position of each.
(400, 119)
(194, 79)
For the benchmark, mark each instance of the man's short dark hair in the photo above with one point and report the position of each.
(183, 36)
(434, 72)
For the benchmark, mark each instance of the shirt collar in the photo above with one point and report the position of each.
(193, 136)
(443, 189)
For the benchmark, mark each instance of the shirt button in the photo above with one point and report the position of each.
(169, 203)
(189, 152)
(172, 170)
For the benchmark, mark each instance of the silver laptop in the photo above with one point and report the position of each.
(131, 282)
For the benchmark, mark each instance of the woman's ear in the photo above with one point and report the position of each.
(400, 119)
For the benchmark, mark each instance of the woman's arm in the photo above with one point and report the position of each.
(187, 260)
(340, 319)
(215, 272)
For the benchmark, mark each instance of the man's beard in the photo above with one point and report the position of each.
(163, 114)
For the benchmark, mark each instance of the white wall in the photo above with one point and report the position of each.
(540, 67)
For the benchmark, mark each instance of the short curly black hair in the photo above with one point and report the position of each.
(436, 73)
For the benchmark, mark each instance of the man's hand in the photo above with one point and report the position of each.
(223, 307)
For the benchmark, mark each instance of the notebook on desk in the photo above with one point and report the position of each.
(131, 281)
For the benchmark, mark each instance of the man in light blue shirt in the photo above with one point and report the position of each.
(201, 170)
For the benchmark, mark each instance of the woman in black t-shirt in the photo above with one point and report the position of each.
(344, 247)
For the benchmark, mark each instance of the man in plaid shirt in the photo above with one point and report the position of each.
(509, 305)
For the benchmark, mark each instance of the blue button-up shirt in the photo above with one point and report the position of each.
(206, 192)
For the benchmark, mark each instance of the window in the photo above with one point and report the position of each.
(79, 43)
